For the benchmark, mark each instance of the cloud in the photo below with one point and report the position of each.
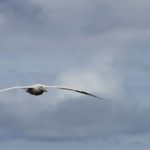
(98, 46)
(20, 11)
(94, 76)
(75, 120)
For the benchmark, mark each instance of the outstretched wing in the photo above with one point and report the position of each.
(74, 90)
(13, 88)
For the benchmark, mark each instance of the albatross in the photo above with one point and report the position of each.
(39, 89)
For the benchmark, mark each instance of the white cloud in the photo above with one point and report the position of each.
(100, 77)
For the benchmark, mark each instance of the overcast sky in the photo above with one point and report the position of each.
(101, 46)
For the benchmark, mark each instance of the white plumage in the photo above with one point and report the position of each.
(38, 89)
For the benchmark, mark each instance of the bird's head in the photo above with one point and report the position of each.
(43, 88)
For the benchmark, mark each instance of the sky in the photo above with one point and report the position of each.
(100, 46)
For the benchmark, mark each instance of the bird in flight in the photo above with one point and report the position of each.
(38, 89)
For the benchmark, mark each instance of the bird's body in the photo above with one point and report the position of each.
(34, 91)
(38, 89)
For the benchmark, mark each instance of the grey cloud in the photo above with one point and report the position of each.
(67, 121)
(111, 15)
(101, 46)
(20, 12)
(84, 16)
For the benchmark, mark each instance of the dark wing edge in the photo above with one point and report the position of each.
(82, 92)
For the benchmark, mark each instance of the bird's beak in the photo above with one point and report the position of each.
(45, 90)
